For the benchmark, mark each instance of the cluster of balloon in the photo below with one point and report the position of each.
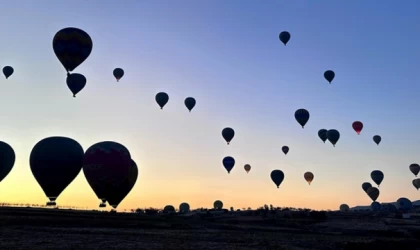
(162, 99)
(8, 71)
(229, 162)
(331, 135)
(373, 192)
(72, 46)
(110, 171)
(414, 168)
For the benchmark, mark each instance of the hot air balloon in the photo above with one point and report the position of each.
(72, 47)
(329, 75)
(118, 73)
(107, 166)
(322, 134)
(162, 99)
(333, 136)
(218, 205)
(228, 163)
(76, 82)
(169, 209)
(184, 207)
(228, 134)
(8, 71)
(247, 167)
(277, 176)
(309, 177)
(377, 176)
(55, 162)
(366, 185)
(376, 206)
(415, 168)
(285, 149)
(357, 126)
(302, 116)
(121, 191)
(404, 204)
(373, 193)
(344, 208)
(415, 183)
(189, 103)
(7, 159)
(377, 139)
(284, 37)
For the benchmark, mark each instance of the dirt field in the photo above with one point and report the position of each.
(23, 228)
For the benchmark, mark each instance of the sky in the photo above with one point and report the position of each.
(227, 55)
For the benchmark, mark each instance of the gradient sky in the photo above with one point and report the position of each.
(228, 56)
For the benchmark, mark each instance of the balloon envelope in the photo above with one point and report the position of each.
(72, 47)
(302, 116)
(333, 136)
(190, 103)
(357, 126)
(344, 208)
(169, 209)
(7, 159)
(376, 206)
(106, 166)
(329, 75)
(285, 149)
(309, 177)
(377, 139)
(284, 37)
(247, 168)
(373, 193)
(277, 176)
(76, 82)
(8, 71)
(415, 168)
(404, 204)
(416, 183)
(121, 191)
(377, 176)
(228, 134)
(55, 162)
(118, 73)
(366, 185)
(162, 99)
(228, 163)
(322, 134)
(184, 207)
(218, 204)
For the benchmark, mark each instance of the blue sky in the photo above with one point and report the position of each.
(228, 56)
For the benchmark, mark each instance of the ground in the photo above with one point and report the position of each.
(30, 228)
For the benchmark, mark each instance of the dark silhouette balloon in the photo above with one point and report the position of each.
(7, 159)
(8, 71)
(357, 126)
(415, 168)
(329, 75)
(55, 162)
(404, 204)
(121, 191)
(218, 205)
(72, 47)
(189, 103)
(377, 139)
(416, 183)
(344, 208)
(107, 166)
(228, 134)
(373, 193)
(322, 134)
(333, 136)
(376, 206)
(302, 116)
(247, 168)
(277, 176)
(76, 82)
(184, 207)
(284, 37)
(162, 99)
(285, 149)
(118, 73)
(309, 177)
(169, 209)
(366, 185)
(377, 176)
(228, 163)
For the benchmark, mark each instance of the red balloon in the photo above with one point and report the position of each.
(358, 126)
